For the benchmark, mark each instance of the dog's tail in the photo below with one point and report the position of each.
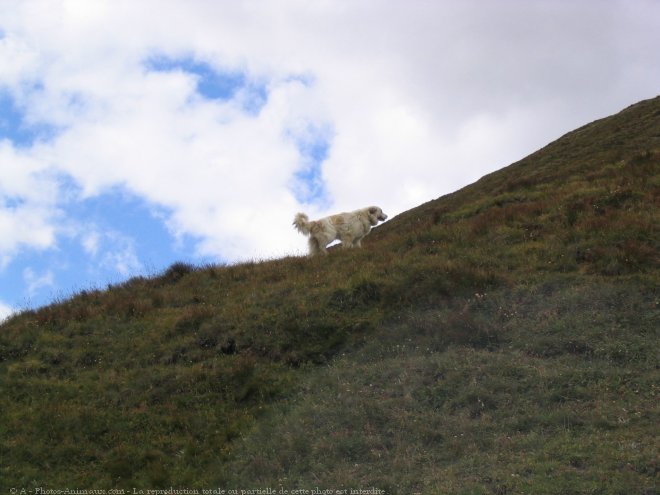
(302, 224)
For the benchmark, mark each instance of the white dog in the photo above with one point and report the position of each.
(349, 228)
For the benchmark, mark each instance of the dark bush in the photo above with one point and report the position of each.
(176, 272)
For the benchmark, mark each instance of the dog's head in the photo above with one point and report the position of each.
(376, 215)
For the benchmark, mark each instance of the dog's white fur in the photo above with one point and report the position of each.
(349, 228)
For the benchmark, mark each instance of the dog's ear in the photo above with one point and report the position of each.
(373, 210)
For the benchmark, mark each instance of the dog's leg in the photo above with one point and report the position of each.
(346, 242)
(313, 246)
(316, 247)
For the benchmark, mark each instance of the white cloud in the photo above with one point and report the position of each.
(108, 251)
(119, 255)
(37, 282)
(90, 242)
(5, 311)
(417, 100)
(28, 197)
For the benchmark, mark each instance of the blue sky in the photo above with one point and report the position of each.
(198, 133)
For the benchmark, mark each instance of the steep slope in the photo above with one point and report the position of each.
(500, 339)
(598, 180)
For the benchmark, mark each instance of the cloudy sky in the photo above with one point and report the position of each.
(136, 133)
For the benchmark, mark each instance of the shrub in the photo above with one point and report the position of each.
(176, 272)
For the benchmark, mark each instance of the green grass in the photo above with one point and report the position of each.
(462, 399)
(502, 339)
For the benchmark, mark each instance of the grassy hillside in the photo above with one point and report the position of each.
(502, 339)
